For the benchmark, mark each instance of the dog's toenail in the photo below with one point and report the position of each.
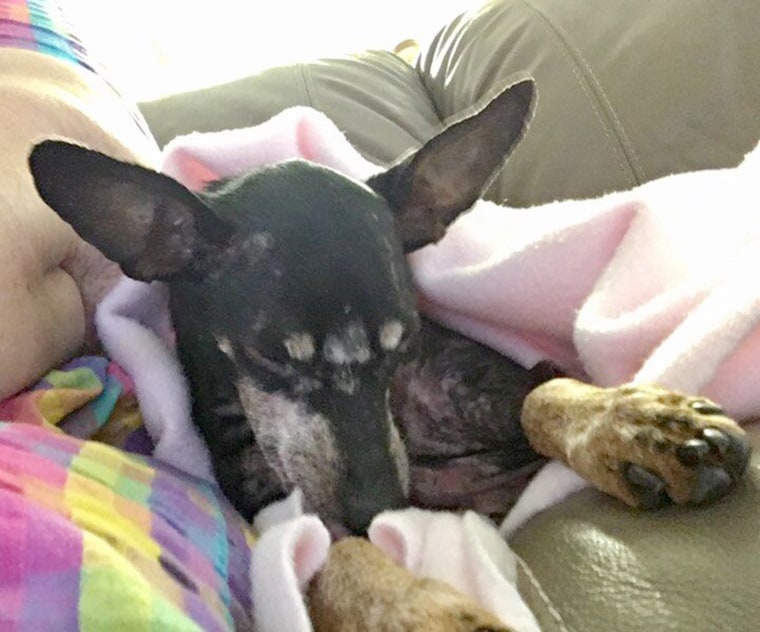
(704, 407)
(692, 452)
(640, 477)
(737, 459)
(711, 484)
(717, 440)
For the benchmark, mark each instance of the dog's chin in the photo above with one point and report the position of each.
(337, 530)
(329, 516)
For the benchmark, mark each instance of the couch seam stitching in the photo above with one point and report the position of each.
(556, 615)
(598, 100)
(306, 87)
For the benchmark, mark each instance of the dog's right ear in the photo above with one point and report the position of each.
(429, 189)
(146, 222)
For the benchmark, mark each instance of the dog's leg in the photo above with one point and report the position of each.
(361, 588)
(642, 444)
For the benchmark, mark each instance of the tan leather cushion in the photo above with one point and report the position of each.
(375, 98)
(593, 564)
(629, 90)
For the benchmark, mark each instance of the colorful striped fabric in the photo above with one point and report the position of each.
(92, 538)
(41, 25)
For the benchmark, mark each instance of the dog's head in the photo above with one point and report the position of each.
(291, 297)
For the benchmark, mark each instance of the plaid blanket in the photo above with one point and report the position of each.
(91, 397)
(92, 537)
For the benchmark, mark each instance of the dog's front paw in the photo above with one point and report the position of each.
(686, 450)
(644, 444)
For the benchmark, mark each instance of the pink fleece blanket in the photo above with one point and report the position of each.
(656, 284)
(293, 547)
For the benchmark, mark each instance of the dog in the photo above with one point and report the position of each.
(311, 367)
(51, 279)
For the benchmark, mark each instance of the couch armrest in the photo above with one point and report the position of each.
(628, 90)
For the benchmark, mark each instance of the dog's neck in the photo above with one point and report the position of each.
(41, 26)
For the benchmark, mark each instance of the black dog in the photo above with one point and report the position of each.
(310, 367)
(292, 301)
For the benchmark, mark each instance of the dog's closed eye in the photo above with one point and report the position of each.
(250, 354)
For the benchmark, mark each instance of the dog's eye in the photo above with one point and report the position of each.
(290, 377)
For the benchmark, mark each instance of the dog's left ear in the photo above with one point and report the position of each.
(146, 222)
(431, 188)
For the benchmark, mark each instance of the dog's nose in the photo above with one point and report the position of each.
(370, 476)
(371, 485)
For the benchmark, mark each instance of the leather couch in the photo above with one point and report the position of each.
(629, 90)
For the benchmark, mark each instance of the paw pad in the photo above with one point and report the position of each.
(648, 488)
(715, 459)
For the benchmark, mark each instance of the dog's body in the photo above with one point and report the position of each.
(458, 405)
(294, 310)
(51, 279)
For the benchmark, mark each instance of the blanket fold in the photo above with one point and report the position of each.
(134, 324)
(90, 397)
(293, 547)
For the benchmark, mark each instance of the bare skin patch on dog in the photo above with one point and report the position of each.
(349, 346)
(300, 346)
(390, 335)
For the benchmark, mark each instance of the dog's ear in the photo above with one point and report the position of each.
(444, 178)
(148, 223)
